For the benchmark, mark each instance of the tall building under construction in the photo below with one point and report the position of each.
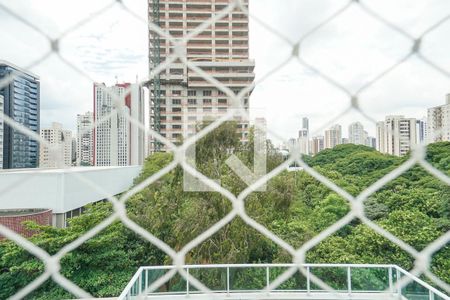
(181, 98)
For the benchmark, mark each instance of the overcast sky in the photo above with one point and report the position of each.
(352, 49)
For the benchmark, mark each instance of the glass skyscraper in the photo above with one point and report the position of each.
(22, 104)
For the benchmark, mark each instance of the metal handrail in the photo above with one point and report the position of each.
(393, 289)
(423, 283)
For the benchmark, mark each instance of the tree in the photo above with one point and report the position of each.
(296, 207)
(102, 266)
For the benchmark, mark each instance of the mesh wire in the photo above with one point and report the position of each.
(52, 262)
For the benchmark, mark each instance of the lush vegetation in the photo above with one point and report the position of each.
(415, 207)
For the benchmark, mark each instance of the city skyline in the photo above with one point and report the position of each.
(108, 54)
(331, 136)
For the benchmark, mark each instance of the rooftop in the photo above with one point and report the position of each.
(62, 190)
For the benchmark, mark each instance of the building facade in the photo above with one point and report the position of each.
(371, 142)
(21, 99)
(380, 137)
(356, 134)
(422, 130)
(305, 123)
(138, 150)
(60, 191)
(333, 136)
(85, 139)
(317, 144)
(74, 150)
(303, 137)
(180, 97)
(439, 122)
(1, 131)
(59, 152)
(303, 141)
(117, 141)
(396, 135)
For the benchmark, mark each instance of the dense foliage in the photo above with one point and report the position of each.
(415, 207)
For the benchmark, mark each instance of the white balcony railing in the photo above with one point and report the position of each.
(253, 281)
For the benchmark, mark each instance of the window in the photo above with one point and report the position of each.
(192, 118)
(239, 34)
(176, 126)
(176, 101)
(176, 109)
(221, 93)
(176, 135)
(221, 42)
(175, 16)
(207, 101)
(222, 101)
(192, 93)
(192, 101)
(192, 109)
(207, 93)
(176, 118)
(177, 93)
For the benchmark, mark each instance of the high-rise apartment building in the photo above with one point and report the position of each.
(22, 104)
(303, 137)
(74, 150)
(59, 153)
(85, 139)
(380, 137)
(303, 141)
(396, 135)
(439, 122)
(356, 134)
(317, 144)
(305, 124)
(333, 136)
(118, 142)
(422, 130)
(180, 97)
(1, 131)
(138, 138)
(371, 142)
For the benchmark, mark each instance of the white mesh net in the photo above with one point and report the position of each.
(52, 262)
